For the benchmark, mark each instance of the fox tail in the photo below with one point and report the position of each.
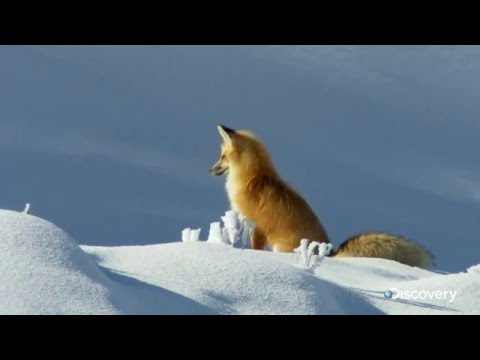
(387, 246)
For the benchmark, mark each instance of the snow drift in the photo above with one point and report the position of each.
(44, 271)
(232, 281)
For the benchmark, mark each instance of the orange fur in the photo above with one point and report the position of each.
(282, 216)
(257, 192)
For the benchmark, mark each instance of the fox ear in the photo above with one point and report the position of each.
(225, 133)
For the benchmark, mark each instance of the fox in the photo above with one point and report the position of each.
(282, 217)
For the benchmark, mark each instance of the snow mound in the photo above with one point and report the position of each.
(231, 281)
(43, 271)
(474, 269)
(421, 291)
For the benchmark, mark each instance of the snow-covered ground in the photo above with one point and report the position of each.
(44, 271)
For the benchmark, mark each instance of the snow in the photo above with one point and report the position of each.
(474, 269)
(215, 234)
(305, 253)
(44, 271)
(27, 208)
(230, 232)
(372, 277)
(190, 235)
(229, 280)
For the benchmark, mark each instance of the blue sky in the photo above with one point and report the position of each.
(114, 143)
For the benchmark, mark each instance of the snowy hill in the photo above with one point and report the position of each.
(44, 271)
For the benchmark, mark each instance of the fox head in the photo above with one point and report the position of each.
(240, 149)
(227, 151)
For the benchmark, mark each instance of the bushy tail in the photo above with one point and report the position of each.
(387, 246)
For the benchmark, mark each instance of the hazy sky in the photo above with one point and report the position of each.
(114, 143)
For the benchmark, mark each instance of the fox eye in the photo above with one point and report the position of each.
(223, 157)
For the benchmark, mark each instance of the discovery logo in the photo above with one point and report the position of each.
(395, 293)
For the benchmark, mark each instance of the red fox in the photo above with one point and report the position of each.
(282, 217)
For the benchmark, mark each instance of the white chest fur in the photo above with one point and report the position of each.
(232, 188)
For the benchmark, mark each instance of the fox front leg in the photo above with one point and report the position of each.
(258, 239)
